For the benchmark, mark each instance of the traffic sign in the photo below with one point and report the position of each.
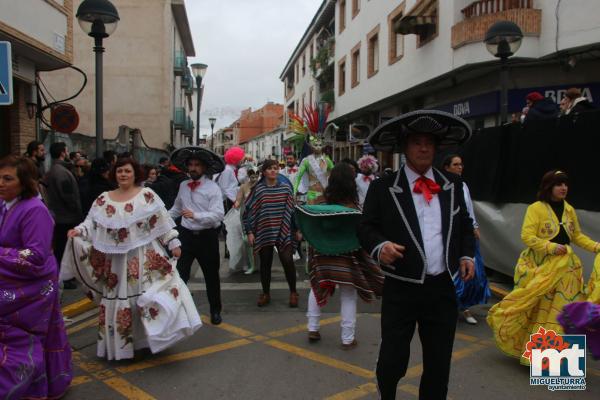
(6, 89)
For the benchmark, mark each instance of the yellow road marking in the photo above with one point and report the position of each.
(301, 327)
(355, 393)
(229, 328)
(498, 291)
(467, 338)
(78, 380)
(258, 338)
(311, 355)
(82, 326)
(128, 390)
(413, 372)
(462, 353)
(154, 362)
(79, 307)
(408, 388)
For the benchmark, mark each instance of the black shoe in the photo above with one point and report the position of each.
(215, 318)
(70, 284)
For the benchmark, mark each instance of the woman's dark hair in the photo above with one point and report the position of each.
(148, 168)
(26, 172)
(549, 180)
(138, 172)
(341, 187)
(448, 159)
(268, 164)
(352, 163)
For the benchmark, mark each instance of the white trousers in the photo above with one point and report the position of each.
(348, 298)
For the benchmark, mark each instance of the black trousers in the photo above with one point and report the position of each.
(431, 306)
(59, 240)
(202, 246)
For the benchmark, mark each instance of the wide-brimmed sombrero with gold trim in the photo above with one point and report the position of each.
(329, 228)
(214, 163)
(447, 128)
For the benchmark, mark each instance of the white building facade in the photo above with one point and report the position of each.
(266, 146)
(443, 63)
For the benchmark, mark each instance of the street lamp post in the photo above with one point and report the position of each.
(198, 70)
(502, 40)
(98, 18)
(212, 121)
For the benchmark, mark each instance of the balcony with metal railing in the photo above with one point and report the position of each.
(179, 117)
(481, 14)
(179, 63)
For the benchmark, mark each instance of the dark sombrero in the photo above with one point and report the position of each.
(447, 128)
(329, 228)
(214, 163)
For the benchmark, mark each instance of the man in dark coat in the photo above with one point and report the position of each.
(416, 224)
(540, 107)
(64, 202)
(167, 184)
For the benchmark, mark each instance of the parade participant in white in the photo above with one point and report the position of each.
(368, 167)
(119, 253)
(200, 204)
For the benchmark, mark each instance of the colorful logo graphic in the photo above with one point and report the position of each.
(557, 361)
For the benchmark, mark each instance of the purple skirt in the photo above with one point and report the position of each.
(583, 318)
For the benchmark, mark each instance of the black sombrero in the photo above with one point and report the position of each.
(448, 128)
(214, 163)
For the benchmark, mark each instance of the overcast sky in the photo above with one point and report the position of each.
(246, 44)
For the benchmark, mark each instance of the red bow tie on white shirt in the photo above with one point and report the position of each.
(292, 170)
(427, 187)
(194, 184)
(367, 178)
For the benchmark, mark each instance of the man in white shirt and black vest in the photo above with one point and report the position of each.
(415, 223)
(200, 204)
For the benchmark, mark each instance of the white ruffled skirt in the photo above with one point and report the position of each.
(143, 301)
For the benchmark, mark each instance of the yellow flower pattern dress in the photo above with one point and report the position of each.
(544, 282)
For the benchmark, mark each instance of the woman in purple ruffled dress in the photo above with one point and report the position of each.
(35, 356)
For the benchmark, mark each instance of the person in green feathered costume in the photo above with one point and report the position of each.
(336, 257)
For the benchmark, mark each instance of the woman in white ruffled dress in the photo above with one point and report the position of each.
(120, 254)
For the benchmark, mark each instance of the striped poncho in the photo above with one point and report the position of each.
(268, 215)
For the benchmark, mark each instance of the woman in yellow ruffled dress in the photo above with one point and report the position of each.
(548, 274)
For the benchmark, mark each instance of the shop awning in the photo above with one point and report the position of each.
(424, 13)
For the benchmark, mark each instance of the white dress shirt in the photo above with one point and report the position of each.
(286, 171)
(469, 204)
(430, 222)
(206, 201)
(228, 183)
(362, 186)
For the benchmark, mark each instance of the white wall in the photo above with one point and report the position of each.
(304, 82)
(579, 25)
(50, 27)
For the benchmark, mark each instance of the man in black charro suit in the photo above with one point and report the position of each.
(415, 223)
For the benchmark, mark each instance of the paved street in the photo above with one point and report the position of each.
(264, 354)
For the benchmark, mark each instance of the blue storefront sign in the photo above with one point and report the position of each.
(483, 104)
(516, 97)
(489, 103)
(6, 92)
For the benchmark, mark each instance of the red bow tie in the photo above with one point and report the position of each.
(427, 187)
(193, 185)
(292, 170)
(367, 178)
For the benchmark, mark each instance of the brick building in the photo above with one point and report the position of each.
(38, 44)
(253, 123)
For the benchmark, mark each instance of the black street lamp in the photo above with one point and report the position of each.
(198, 70)
(98, 18)
(502, 40)
(212, 121)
